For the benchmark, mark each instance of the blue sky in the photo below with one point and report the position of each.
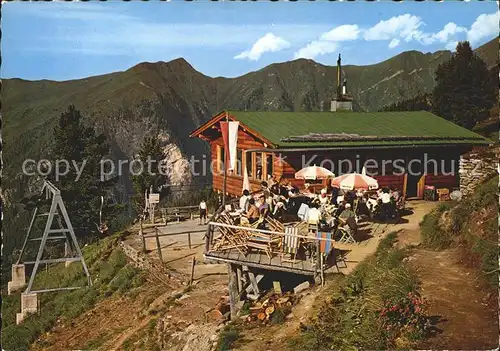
(69, 40)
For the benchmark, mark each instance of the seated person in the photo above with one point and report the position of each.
(385, 200)
(350, 197)
(348, 220)
(323, 199)
(360, 194)
(270, 203)
(335, 193)
(314, 214)
(395, 195)
(253, 212)
(244, 201)
(280, 207)
(263, 206)
(307, 189)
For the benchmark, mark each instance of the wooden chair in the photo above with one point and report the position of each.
(345, 236)
(266, 242)
(291, 243)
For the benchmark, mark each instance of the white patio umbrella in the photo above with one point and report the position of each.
(314, 172)
(353, 181)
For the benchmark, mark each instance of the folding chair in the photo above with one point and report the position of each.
(257, 223)
(325, 246)
(345, 236)
(291, 243)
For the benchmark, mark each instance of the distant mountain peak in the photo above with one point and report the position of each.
(179, 63)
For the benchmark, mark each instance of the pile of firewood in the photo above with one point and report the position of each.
(264, 309)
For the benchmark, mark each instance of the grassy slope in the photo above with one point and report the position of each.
(349, 319)
(472, 224)
(110, 273)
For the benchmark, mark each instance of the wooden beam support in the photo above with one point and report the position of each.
(253, 283)
(239, 277)
(233, 290)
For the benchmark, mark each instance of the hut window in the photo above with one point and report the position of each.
(239, 162)
(249, 163)
(269, 166)
(258, 165)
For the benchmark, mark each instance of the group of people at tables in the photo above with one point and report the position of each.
(331, 208)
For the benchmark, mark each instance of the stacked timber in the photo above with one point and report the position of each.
(271, 308)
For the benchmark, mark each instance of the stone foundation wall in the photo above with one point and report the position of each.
(474, 170)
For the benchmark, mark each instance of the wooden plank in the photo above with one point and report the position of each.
(233, 290)
(215, 257)
(239, 277)
(253, 283)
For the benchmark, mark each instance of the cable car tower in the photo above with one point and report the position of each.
(61, 230)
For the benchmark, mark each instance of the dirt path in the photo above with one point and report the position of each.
(464, 311)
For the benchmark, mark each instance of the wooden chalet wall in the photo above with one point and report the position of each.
(286, 164)
(385, 177)
(234, 184)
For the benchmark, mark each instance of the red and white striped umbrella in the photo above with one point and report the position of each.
(314, 172)
(353, 181)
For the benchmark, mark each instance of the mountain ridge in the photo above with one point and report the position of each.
(174, 98)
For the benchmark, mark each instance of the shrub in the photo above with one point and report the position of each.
(279, 316)
(433, 236)
(404, 315)
(228, 337)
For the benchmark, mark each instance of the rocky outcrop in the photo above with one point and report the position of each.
(474, 169)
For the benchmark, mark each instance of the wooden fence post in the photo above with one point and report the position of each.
(318, 254)
(141, 233)
(208, 238)
(158, 245)
(189, 240)
(192, 271)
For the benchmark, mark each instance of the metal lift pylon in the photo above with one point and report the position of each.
(72, 248)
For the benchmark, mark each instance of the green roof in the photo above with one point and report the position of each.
(336, 129)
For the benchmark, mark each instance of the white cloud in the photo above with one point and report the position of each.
(448, 30)
(404, 26)
(342, 33)
(452, 45)
(409, 27)
(485, 25)
(328, 41)
(394, 42)
(268, 43)
(316, 48)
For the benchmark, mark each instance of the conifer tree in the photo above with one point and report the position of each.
(465, 89)
(80, 146)
(155, 177)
